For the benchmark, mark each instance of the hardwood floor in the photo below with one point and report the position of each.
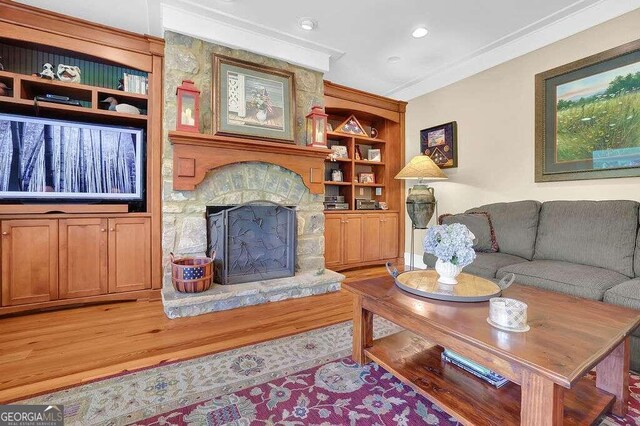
(53, 350)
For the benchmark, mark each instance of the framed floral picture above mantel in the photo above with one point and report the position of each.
(588, 117)
(253, 101)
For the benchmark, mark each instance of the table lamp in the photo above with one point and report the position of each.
(421, 202)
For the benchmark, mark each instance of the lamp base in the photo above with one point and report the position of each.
(421, 204)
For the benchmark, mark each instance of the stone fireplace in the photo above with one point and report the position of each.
(202, 170)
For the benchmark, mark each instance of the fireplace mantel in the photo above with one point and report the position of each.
(194, 154)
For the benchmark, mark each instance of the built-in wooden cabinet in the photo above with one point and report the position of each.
(57, 254)
(52, 260)
(129, 254)
(83, 257)
(356, 237)
(343, 240)
(360, 239)
(29, 261)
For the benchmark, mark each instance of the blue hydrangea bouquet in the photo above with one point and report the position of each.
(453, 246)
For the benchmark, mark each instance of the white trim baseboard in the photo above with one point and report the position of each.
(417, 259)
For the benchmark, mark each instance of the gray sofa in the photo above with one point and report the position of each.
(588, 249)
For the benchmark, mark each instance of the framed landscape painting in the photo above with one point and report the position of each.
(253, 100)
(588, 117)
(441, 144)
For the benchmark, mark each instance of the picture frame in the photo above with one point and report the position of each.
(374, 155)
(584, 128)
(440, 143)
(366, 178)
(339, 151)
(253, 101)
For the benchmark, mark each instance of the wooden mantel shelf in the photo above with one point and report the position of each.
(194, 154)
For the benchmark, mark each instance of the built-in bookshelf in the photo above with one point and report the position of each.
(56, 254)
(353, 185)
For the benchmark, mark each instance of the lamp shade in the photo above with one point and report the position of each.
(421, 167)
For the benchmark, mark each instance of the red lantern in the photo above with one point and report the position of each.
(317, 127)
(188, 107)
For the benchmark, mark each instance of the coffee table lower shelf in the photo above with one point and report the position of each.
(417, 363)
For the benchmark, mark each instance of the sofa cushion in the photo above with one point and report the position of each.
(626, 294)
(515, 225)
(479, 224)
(595, 233)
(485, 264)
(564, 277)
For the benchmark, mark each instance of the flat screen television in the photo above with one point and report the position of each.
(55, 160)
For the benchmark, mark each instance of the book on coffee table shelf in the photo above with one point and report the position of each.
(474, 368)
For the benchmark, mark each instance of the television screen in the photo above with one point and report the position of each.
(64, 160)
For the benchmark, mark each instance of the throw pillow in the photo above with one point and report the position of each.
(480, 224)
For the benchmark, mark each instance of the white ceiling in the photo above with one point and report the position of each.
(356, 37)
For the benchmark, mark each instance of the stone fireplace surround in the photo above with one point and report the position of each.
(185, 234)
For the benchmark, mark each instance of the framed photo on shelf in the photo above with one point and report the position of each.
(587, 120)
(366, 178)
(336, 175)
(374, 155)
(252, 100)
(441, 144)
(340, 151)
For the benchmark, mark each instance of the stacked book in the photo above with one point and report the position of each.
(473, 368)
(135, 83)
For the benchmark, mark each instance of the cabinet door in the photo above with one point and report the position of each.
(371, 237)
(83, 257)
(352, 235)
(29, 261)
(129, 254)
(389, 236)
(333, 242)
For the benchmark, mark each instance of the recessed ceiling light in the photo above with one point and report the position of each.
(394, 59)
(420, 32)
(307, 24)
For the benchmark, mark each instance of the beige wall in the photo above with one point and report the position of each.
(495, 115)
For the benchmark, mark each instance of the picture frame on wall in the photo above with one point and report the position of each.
(253, 101)
(587, 120)
(440, 143)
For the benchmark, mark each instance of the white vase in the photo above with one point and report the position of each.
(261, 115)
(447, 272)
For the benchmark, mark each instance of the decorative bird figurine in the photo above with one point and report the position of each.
(115, 106)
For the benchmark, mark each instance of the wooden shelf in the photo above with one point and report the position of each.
(362, 140)
(370, 185)
(26, 87)
(337, 135)
(71, 87)
(471, 400)
(369, 163)
(339, 160)
(330, 182)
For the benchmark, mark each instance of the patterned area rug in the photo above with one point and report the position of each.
(306, 379)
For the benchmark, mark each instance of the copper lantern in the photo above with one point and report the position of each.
(188, 107)
(317, 127)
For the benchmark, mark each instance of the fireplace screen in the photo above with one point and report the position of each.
(253, 242)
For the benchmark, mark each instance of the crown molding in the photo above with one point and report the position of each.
(551, 29)
(192, 19)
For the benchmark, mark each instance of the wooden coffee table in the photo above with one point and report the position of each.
(547, 365)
